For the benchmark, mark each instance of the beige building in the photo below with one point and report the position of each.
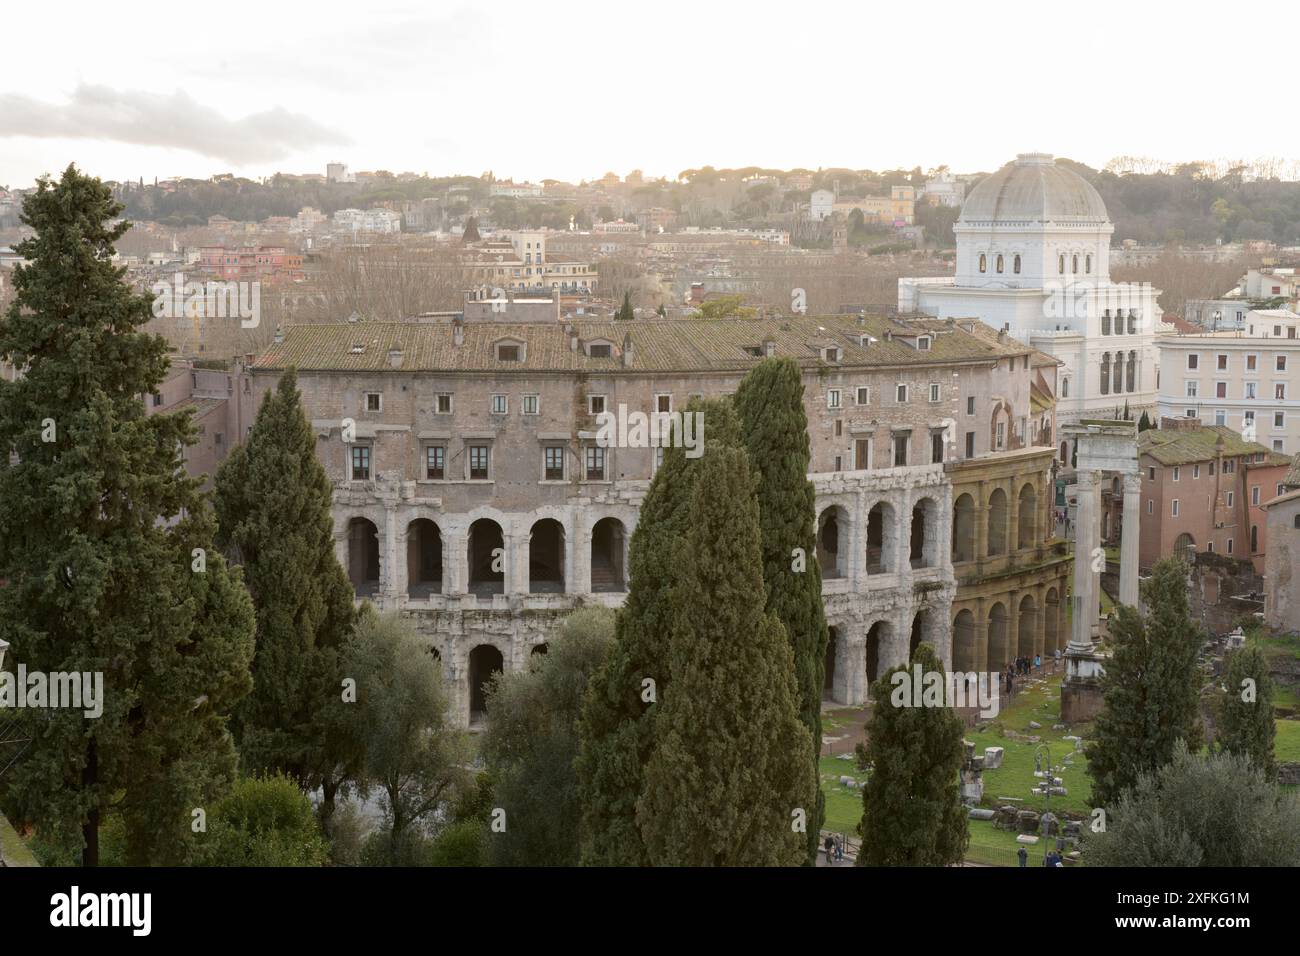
(1247, 380)
(474, 491)
(1282, 563)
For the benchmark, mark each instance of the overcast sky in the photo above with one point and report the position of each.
(570, 89)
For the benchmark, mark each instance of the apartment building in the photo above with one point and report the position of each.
(474, 492)
(1203, 490)
(1246, 380)
(519, 262)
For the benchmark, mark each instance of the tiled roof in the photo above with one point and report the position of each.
(1292, 479)
(661, 345)
(1182, 446)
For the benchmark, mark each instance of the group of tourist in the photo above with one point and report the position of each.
(1020, 667)
(1054, 858)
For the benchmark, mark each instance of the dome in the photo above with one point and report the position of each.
(1034, 189)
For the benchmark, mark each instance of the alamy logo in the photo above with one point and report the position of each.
(655, 430)
(134, 910)
(179, 299)
(937, 689)
(74, 690)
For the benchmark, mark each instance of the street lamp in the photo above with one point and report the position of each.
(1049, 786)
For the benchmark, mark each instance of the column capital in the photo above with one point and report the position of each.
(1133, 483)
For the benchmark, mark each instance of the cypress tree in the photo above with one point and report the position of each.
(912, 813)
(774, 426)
(1246, 709)
(1151, 687)
(729, 781)
(105, 547)
(617, 726)
(625, 310)
(273, 507)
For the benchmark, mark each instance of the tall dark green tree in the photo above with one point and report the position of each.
(106, 548)
(774, 426)
(273, 508)
(1246, 724)
(1151, 687)
(617, 727)
(729, 782)
(912, 813)
(625, 310)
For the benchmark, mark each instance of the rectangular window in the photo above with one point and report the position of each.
(862, 454)
(832, 398)
(596, 404)
(1211, 469)
(839, 428)
(1279, 391)
(529, 404)
(1196, 471)
(1151, 474)
(1279, 419)
(554, 460)
(1002, 434)
(435, 462)
(663, 403)
(1230, 546)
(1192, 388)
(1151, 506)
(443, 403)
(1230, 496)
(374, 402)
(1250, 389)
(936, 448)
(900, 394)
(1221, 362)
(1193, 361)
(970, 444)
(500, 404)
(900, 449)
(1252, 362)
(1175, 504)
(1220, 416)
(600, 351)
(1277, 445)
(1220, 389)
(360, 462)
(864, 395)
(970, 404)
(934, 391)
(1281, 363)
(1254, 494)
(1177, 472)
(595, 463)
(478, 462)
(508, 353)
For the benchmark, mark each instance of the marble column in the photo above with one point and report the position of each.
(1128, 548)
(1084, 602)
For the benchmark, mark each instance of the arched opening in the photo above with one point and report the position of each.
(925, 529)
(484, 661)
(1105, 373)
(832, 648)
(999, 652)
(1117, 383)
(546, 557)
(830, 556)
(999, 263)
(880, 538)
(1185, 546)
(963, 529)
(983, 262)
(1131, 372)
(1051, 621)
(1065, 452)
(1025, 638)
(997, 522)
(877, 635)
(1254, 539)
(423, 559)
(920, 632)
(1027, 517)
(1015, 264)
(487, 558)
(964, 656)
(1065, 387)
(607, 556)
(540, 649)
(1087, 264)
(363, 556)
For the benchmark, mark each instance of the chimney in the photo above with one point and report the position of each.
(769, 347)
(1002, 335)
(395, 355)
(627, 350)
(279, 334)
(573, 337)
(458, 331)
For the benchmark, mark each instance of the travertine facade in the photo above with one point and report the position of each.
(472, 492)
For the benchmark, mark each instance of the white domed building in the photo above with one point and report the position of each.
(1033, 257)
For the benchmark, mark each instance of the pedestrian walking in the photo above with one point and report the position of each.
(830, 851)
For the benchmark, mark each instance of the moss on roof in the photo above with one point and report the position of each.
(1183, 446)
(665, 345)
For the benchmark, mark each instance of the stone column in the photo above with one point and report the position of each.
(1128, 547)
(981, 636)
(982, 523)
(388, 583)
(1084, 601)
(1013, 530)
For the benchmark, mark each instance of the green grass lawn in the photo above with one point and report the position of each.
(843, 805)
(1286, 745)
(15, 851)
(1015, 778)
